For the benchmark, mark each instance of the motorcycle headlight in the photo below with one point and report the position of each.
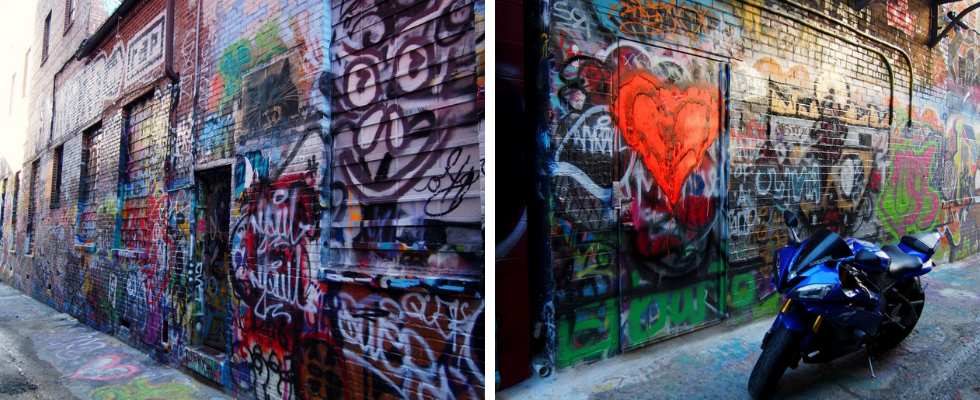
(791, 272)
(815, 291)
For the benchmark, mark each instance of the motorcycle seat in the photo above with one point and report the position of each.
(901, 263)
(924, 242)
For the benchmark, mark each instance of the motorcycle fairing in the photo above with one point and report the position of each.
(925, 270)
(863, 320)
(795, 320)
(783, 256)
(882, 261)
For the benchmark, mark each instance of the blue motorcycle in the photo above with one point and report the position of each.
(842, 295)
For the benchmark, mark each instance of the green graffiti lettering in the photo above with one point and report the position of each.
(645, 319)
(743, 290)
(687, 305)
(590, 333)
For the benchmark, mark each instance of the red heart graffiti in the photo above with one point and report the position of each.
(670, 129)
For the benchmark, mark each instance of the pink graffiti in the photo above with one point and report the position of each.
(106, 368)
(909, 201)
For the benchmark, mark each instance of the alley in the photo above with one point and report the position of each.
(941, 359)
(45, 354)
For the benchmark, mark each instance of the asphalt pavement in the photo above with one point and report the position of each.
(45, 354)
(939, 360)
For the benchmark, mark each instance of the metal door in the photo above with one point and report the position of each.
(671, 191)
(212, 258)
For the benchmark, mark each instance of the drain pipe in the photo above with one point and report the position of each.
(888, 65)
(197, 73)
(197, 53)
(169, 47)
(908, 60)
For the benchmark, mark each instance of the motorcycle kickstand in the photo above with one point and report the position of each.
(871, 365)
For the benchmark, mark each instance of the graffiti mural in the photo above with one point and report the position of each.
(663, 183)
(415, 160)
(645, 239)
(701, 26)
(398, 342)
(106, 368)
(900, 17)
(669, 109)
(223, 211)
(143, 388)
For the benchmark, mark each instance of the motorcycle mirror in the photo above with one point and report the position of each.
(790, 218)
(792, 223)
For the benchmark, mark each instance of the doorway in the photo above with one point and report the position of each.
(212, 289)
(669, 190)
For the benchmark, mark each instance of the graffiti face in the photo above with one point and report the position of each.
(271, 97)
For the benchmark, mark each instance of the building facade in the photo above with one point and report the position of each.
(665, 139)
(283, 197)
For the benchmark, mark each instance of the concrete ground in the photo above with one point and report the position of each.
(45, 354)
(940, 359)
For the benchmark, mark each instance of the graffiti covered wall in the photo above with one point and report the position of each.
(679, 132)
(261, 205)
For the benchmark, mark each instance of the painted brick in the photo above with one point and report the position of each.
(807, 128)
(269, 219)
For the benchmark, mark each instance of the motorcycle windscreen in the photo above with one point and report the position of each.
(822, 246)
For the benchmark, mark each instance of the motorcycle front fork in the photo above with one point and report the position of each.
(815, 327)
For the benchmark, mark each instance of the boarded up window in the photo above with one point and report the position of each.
(13, 212)
(58, 160)
(87, 184)
(137, 139)
(32, 208)
(47, 35)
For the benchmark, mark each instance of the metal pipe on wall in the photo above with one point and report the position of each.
(169, 47)
(908, 60)
(197, 73)
(888, 65)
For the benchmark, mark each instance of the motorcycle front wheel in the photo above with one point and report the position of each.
(776, 357)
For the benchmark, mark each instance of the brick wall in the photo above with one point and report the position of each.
(281, 218)
(64, 39)
(409, 205)
(652, 236)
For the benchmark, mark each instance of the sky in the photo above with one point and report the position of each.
(16, 32)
